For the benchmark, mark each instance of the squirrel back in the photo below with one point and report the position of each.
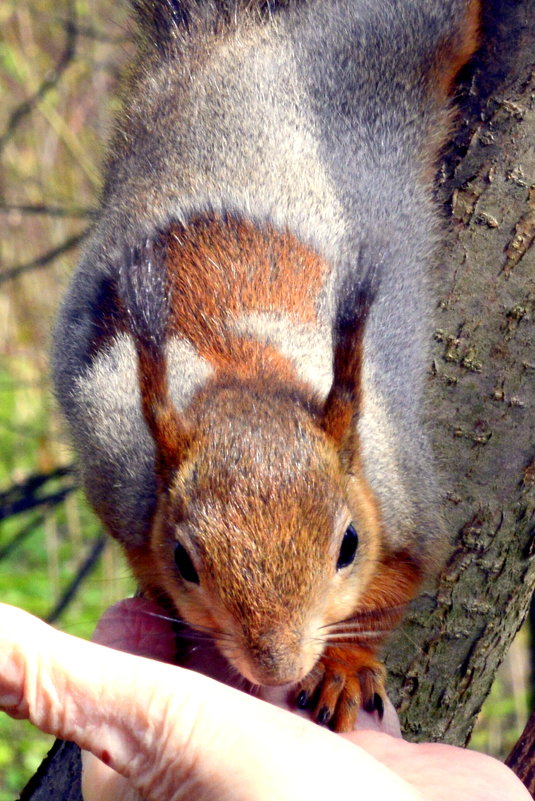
(241, 355)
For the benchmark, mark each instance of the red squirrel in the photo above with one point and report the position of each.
(241, 354)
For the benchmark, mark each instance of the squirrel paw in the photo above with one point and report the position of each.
(340, 683)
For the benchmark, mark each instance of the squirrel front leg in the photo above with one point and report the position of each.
(349, 673)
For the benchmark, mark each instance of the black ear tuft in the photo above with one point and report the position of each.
(355, 298)
(142, 286)
(162, 19)
(143, 293)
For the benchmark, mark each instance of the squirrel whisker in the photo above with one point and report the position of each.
(369, 614)
(351, 637)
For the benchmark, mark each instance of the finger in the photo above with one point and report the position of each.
(141, 627)
(175, 734)
(444, 772)
(98, 698)
(138, 626)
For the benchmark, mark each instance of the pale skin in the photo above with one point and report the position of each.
(166, 733)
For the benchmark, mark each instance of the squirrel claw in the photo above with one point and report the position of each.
(302, 700)
(375, 704)
(337, 686)
(323, 716)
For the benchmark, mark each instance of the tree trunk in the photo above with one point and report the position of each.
(481, 394)
(481, 397)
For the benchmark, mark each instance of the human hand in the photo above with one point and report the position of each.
(173, 734)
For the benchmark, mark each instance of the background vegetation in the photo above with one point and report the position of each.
(58, 65)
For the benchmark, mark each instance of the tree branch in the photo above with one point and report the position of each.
(83, 571)
(42, 261)
(521, 760)
(25, 496)
(52, 211)
(50, 82)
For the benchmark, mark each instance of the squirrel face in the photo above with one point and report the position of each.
(261, 537)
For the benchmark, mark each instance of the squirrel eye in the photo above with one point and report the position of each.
(349, 547)
(185, 565)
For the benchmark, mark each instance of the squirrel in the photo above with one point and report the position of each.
(241, 354)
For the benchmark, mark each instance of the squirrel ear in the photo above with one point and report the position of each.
(144, 295)
(344, 400)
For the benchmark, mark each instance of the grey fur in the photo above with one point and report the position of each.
(312, 115)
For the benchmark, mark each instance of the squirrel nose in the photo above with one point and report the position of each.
(276, 659)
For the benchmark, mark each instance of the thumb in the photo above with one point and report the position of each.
(173, 733)
(117, 706)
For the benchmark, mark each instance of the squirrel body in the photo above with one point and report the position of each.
(241, 355)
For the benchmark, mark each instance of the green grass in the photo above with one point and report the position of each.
(51, 157)
(41, 566)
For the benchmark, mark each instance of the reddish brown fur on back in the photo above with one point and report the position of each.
(217, 269)
(221, 268)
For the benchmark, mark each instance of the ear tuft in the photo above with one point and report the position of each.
(344, 401)
(143, 291)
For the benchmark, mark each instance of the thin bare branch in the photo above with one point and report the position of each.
(83, 571)
(26, 495)
(52, 211)
(23, 534)
(44, 260)
(66, 58)
(89, 32)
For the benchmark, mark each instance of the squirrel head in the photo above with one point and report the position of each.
(261, 535)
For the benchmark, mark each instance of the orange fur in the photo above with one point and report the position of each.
(213, 464)
(344, 399)
(168, 429)
(456, 50)
(220, 268)
(394, 584)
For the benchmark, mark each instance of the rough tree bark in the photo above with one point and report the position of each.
(481, 394)
(481, 397)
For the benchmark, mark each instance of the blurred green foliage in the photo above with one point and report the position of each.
(58, 62)
(56, 541)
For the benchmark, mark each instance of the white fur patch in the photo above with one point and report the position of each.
(111, 383)
(186, 370)
(308, 347)
(378, 438)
